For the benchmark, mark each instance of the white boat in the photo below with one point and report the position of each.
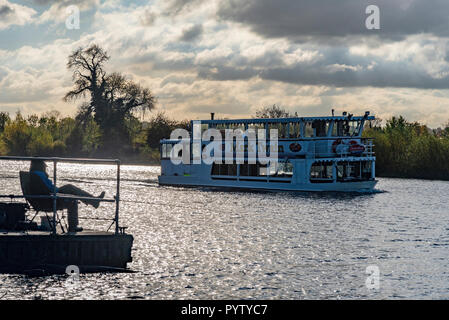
(313, 154)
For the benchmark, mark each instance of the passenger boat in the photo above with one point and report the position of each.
(313, 154)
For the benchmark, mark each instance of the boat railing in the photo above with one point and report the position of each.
(323, 151)
(55, 196)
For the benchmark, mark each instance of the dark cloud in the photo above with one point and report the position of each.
(386, 75)
(305, 20)
(5, 11)
(43, 2)
(336, 68)
(175, 7)
(227, 73)
(192, 33)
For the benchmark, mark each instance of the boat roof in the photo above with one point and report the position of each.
(281, 120)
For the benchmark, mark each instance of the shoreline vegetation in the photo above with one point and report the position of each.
(403, 149)
(106, 125)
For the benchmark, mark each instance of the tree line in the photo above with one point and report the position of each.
(410, 149)
(51, 134)
(403, 149)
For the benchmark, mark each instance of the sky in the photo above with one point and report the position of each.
(232, 57)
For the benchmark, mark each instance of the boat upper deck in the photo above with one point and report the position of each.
(286, 120)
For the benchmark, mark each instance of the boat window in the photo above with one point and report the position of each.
(354, 128)
(280, 127)
(321, 172)
(354, 171)
(256, 127)
(308, 130)
(237, 126)
(166, 150)
(249, 170)
(346, 128)
(224, 169)
(244, 169)
(321, 127)
(337, 130)
(367, 169)
(215, 169)
(283, 133)
(262, 170)
(294, 130)
(281, 169)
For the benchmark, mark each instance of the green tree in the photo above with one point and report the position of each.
(4, 120)
(160, 127)
(40, 143)
(16, 136)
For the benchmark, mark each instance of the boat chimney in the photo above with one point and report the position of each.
(212, 114)
(333, 111)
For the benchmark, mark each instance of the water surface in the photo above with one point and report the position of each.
(207, 244)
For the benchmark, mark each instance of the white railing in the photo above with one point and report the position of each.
(325, 151)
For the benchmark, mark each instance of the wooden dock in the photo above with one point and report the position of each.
(90, 251)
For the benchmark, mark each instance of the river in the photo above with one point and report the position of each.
(206, 244)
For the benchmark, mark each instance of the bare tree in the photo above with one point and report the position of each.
(113, 98)
(272, 112)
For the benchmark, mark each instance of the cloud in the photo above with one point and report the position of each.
(322, 20)
(175, 7)
(14, 14)
(191, 33)
(5, 11)
(197, 59)
(148, 17)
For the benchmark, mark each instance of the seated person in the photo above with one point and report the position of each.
(42, 185)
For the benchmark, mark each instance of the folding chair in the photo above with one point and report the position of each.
(40, 205)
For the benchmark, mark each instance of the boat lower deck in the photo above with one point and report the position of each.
(355, 186)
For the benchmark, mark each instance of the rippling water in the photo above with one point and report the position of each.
(208, 244)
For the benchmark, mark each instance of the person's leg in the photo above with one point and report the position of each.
(73, 190)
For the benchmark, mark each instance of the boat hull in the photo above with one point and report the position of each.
(190, 181)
